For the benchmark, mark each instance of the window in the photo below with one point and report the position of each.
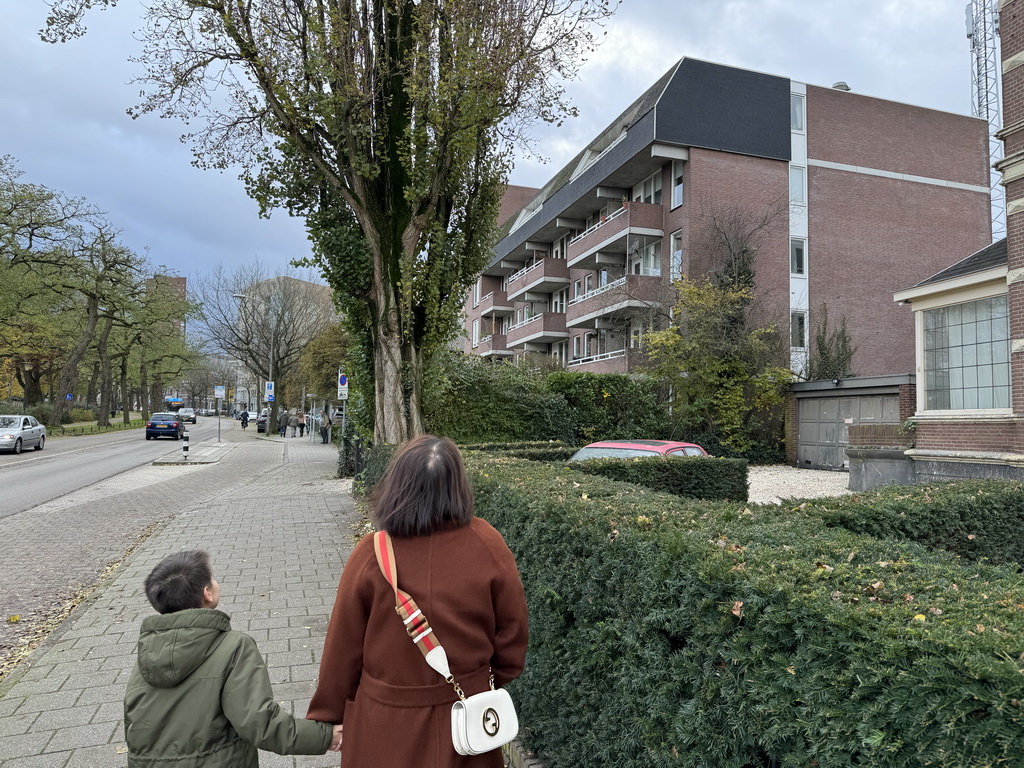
(796, 184)
(476, 332)
(588, 282)
(797, 255)
(649, 190)
(560, 351)
(476, 292)
(576, 346)
(676, 267)
(559, 299)
(677, 183)
(646, 260)
(967, 356)
(577, 289)
(798, 329)
(796, 112)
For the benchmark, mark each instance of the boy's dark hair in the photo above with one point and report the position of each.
(425, 489)
(177, 582)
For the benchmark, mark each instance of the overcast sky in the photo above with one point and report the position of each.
(62, 111)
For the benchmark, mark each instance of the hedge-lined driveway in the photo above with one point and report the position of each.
(768, 485)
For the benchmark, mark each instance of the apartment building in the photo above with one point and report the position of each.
(862, 197)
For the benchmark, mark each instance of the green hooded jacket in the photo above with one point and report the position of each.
(200, 697)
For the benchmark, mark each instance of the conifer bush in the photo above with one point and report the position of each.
(693, 477)
(671, 632)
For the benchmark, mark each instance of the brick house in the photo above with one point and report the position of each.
(865, 195)
(969, 322)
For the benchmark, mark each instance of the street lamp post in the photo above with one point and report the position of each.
(271, 407)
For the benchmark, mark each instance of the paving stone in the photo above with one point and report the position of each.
(77, 736)
(23, 745)
(55, 719)
(39, 761)
(13, 725)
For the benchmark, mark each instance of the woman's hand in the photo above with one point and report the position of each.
(336, 739)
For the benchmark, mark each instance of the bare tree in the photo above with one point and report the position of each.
(263, 322)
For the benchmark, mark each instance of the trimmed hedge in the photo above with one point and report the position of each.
(514, 446)
(693, 634)
(977, 519)
(694, 478)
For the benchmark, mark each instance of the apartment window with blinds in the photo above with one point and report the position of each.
(796, 112)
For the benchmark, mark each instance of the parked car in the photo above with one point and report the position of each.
(187, 414)
(19, 432)
(261, 421)
(164, 425)
(632, 449)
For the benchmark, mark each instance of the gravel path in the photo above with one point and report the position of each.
(771, 484)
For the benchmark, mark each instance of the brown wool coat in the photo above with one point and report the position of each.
(396, 710)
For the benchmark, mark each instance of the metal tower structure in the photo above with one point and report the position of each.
(983, 34)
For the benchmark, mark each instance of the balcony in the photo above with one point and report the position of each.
(610, 235)
(543, 328)
(613, 361)
(619, 300)
(495, 304)
(491, 346)
(545, 276)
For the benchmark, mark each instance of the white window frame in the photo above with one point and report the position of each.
(802, 243)
(476, 332)
(649, 190)
(797, 185)
(476, 292)
(675, 267)
(678, 167)
(576, 346)
(798, 320)
(797, 113)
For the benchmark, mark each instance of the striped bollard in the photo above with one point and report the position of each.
(184, 445)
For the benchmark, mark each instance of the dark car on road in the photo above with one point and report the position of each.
(164, 425)
(634, 449)
(187, 414)
(261, 422)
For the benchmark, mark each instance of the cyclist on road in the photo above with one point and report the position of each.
(245, 419)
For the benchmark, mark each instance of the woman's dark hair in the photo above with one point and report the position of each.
(425, 489)
(177, 582)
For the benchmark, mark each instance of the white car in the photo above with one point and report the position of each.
(20, 432)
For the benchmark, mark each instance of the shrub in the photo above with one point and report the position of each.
(977, 519)
(758, 453)
(44, 411)
(695, 478)
(375, 465)
(670, 633)
(609, 406)
(82, 414)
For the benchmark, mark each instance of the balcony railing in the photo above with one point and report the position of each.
(604, 220)
(597, 358)
(523, 323)
(598, 291)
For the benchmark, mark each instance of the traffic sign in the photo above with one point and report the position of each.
(342, 386)
(68, 396)
(218, 391)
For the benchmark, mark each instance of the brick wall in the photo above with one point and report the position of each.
(908, 401)
(966, 436)
(791, 428)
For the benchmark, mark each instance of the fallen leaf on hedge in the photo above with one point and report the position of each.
(14, 619)
(737, 609)
(908, 598)
(824, 567)
(584, 496)
(919, 617)
(980, 628)
(874, 587)
(791, 670)
(883, 563)
(971, 537)
(849, 557)
(936, 611)
(575, 484)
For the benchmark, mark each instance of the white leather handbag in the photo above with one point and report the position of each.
(481, 722)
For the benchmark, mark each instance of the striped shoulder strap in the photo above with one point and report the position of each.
(416, 624)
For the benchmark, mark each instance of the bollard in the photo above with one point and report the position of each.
(184, 445)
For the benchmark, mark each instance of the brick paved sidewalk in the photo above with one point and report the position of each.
(278, 538)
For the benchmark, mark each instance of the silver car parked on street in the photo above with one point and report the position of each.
(20, 432)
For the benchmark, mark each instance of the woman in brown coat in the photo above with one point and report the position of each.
(395, 709)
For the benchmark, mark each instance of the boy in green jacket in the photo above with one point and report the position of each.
(200, 693)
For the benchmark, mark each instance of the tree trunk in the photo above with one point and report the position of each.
(144, 404)
(125, 394)
(69, 372)
(106, 395)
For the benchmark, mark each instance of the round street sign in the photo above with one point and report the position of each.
(342, 380)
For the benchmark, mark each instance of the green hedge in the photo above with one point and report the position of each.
(695, 634)
(978, 519)
(694, 478)
(514, 446)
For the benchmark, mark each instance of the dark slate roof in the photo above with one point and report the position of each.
(991, 256)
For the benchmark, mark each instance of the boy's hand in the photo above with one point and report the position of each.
(336, 739)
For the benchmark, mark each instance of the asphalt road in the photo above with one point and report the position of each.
(68, 464)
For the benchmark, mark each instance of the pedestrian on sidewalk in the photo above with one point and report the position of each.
(325, 426)
(396, 710)
(200, 693)
(302, 423)
(282, 423)
(293, 422)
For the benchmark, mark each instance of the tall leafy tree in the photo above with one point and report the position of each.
(388, 122)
